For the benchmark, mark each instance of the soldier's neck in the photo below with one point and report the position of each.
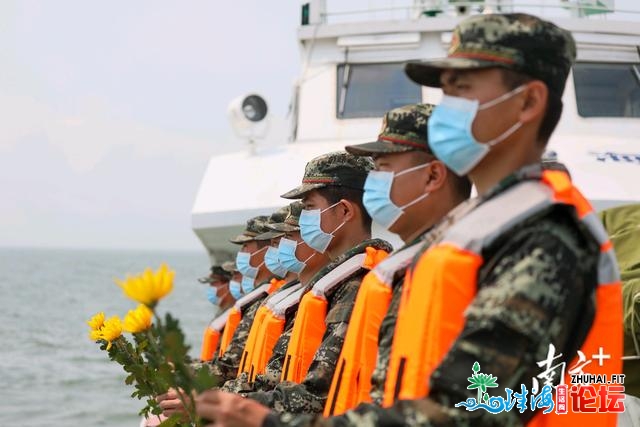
(497, 166)
(352, 237)
(263, 276)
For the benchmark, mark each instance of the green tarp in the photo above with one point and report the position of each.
(623, 225)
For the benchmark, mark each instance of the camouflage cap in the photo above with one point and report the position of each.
(339, 169)
(276, 217)
(216, 270)
(517, 41)
(230, 267)
(254, 228)
(291, 222)
(403, 129)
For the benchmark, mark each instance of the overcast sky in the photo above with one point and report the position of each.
(109, 110)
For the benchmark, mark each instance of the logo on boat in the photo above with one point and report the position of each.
(616, 157)
(589, 393)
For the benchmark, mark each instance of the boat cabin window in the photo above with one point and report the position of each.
(607, 90)
(370, 90)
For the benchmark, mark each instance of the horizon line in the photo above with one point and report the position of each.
(104, 248)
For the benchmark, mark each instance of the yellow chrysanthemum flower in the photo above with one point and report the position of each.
(96, 322)
(149, 287)
(138, 320)
(111, 330)
(95, 335)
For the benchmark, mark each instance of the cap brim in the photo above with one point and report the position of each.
(301, 190)
(269, 235)
(205, 279)
(377, 147)
(230, 267)
(283, 227)
(242, 238)
(427, 73)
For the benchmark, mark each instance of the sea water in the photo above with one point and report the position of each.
(50, 372)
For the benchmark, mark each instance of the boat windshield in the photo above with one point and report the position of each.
(370, 90)
(607, 89)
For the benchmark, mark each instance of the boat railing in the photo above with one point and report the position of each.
(424, 9)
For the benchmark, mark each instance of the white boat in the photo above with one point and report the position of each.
(352, 72)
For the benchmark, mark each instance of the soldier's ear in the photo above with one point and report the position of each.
(535, 101)
(347, 209)
(435, 176)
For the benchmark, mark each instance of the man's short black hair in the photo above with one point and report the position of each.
(513, 79)
(333, 194)
(460, 185)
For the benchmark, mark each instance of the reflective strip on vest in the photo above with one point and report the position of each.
(252, 296)
(255, 339)
(309, 326)
(335, 277)
(278, 299)
(211, 336)
(446, 283)
(235, 315)
(283, 307)
(351, 382)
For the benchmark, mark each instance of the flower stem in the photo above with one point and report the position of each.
(190, 409)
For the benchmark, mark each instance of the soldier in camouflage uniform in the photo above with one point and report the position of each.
(218, 279)
(314, 262)
(537, 284)
(257, 236)
(343, 175)
(332, 183)
(253, 240)
(235, 279)
(274, 235)
(259, 231)
(285, 222)
(424, 190)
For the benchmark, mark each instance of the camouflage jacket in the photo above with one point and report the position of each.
(226, 366)
(535, 288)
(310, 395)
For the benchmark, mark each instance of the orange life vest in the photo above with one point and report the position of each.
(211, 336)
(275, 284)
(271, 329)
(351, 382)
(309, 326)
(235, 315)
(446, 283)
(251, 339)
(255, 340)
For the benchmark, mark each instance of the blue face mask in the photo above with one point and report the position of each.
(311, 229)
(450, 134)
(247, 284)
(377, 196)
(243, 262)
(287, 256)
(212, 295)
(235, 288)
(272, 262)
